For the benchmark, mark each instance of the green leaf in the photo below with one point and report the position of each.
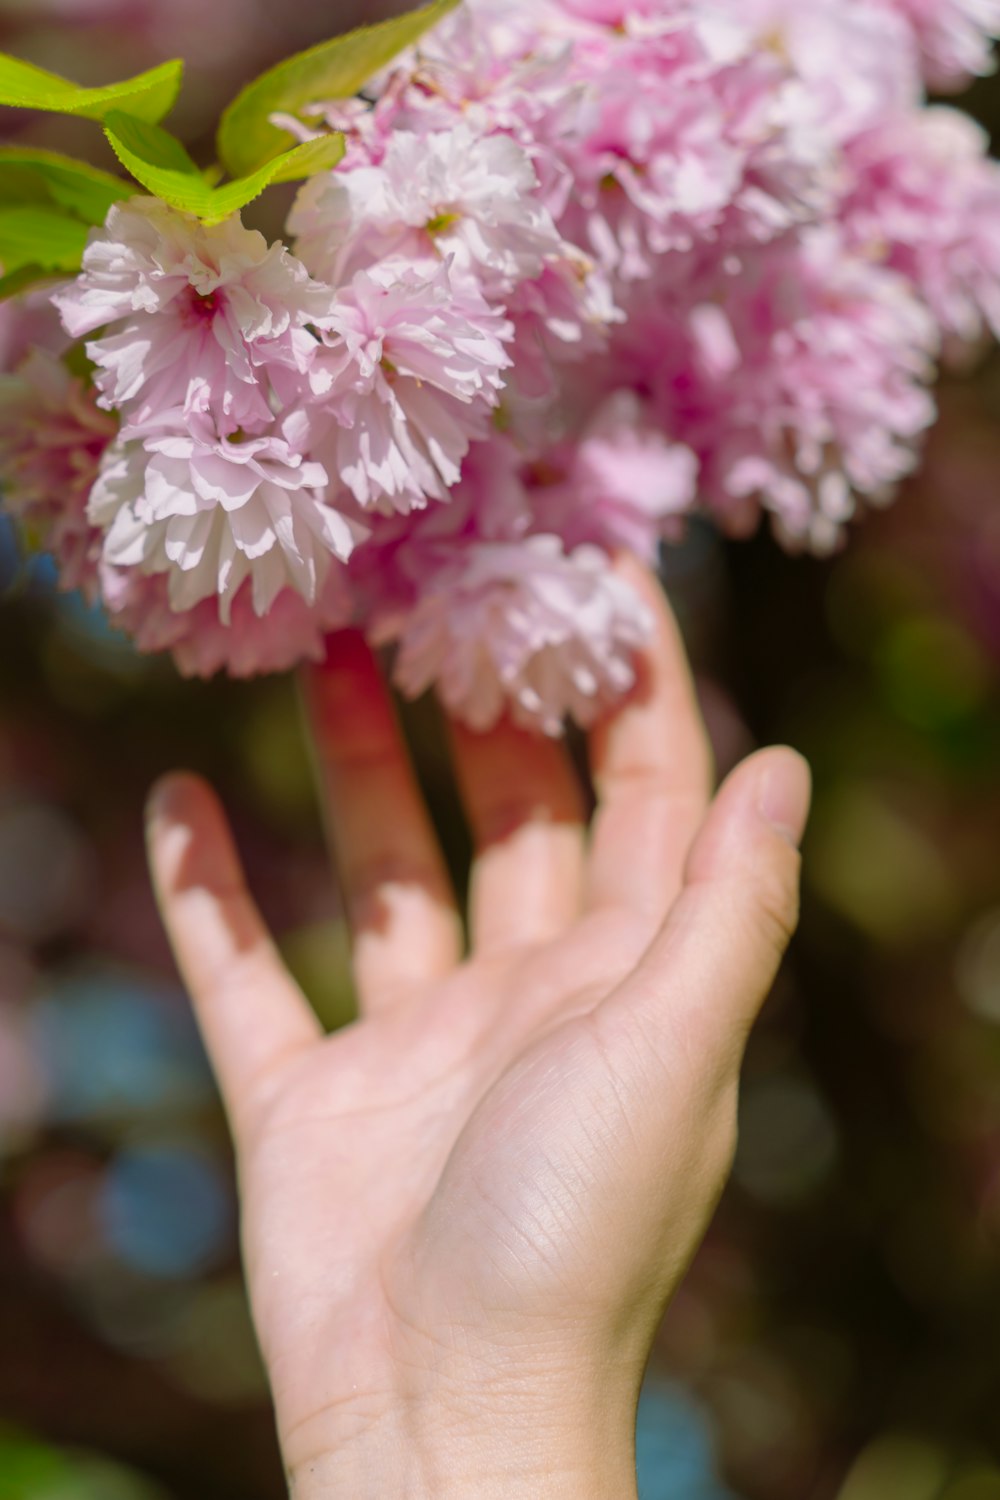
(149, 96)
(302, 161)
(32, 1471)
(137, 143)
(159, 161)
(28, 175)
(333, 70)
(35, 235)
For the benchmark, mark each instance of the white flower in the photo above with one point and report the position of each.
(196, 316)
(452, 194)
(211, 512)
(413, 366)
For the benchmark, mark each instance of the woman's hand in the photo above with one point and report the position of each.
(464, 1214)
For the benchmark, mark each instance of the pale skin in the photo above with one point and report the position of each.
(464, 1214)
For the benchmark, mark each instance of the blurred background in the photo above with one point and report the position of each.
(839, 1336)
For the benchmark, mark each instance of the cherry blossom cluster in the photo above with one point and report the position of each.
(588, 267)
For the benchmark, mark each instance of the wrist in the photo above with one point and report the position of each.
(532, 1442)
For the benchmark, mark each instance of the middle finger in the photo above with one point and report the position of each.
(527, 813)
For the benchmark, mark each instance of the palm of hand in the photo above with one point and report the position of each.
(400, 1168)
(508, 1161)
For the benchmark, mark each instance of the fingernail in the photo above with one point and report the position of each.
(163, 794)
(784, 794)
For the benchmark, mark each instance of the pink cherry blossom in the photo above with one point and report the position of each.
(211, 512)
(954, 37)
(851, 62)
(411, 367)
(829, 401)
(195, 317)
(30, 322)
(525, 629)
(589, 267)
(244, 643)
(926, 199)
(450, 195)
(493, 64)
(802, 385)
(621, 484)
(675, 146)
(53, 437)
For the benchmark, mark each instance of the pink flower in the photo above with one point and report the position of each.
(196, 317)
(52, 440)
(451, 195)
(589, 266)
(829, 402)
(244, 643)
(926, 199)
(525, 629)
(852, 61)
(29, 322)
(621, 484)
(562, 317)
(210, 512)
(684, 133)
(800, 381)
(366, 131)
(412, 366)
(954, 37)
(496, 65)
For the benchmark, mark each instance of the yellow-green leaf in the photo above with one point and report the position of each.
(31, 175)
(302, 161)
(152, 148)
(335, 69)
(149, 96)
(157, 160)
(37, 235)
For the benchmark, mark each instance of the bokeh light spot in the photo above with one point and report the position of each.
(167, 1210)
(31, 1471)
(979, 1484)
(55, 1210)
(898, 1467)
(933, 671)
(788, 1143)
(114, 1043)
(674, 1447)
(878, 868)
(46, 871)
(214, 1351)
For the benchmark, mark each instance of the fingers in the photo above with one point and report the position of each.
(252, 1015)
(652, 768)
(400, 903)
(525, 807)
(694, 996)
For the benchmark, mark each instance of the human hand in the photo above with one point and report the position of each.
(464, 1214)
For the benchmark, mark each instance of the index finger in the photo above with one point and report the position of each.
(252, 1014)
